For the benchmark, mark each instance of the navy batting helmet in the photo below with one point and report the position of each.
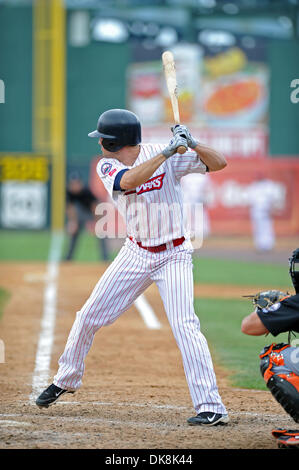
(118, 128)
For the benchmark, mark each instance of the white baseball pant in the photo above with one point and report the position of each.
(133, 270)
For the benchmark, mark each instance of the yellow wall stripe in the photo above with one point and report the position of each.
(49, 96)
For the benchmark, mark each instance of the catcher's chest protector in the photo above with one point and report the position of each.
(282, 382)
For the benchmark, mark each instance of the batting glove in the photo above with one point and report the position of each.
(176, 142)
(184, 132)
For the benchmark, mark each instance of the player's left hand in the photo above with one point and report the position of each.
(267, 298)
(183, 131)
(176, 142)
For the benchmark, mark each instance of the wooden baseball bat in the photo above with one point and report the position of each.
(171, 82)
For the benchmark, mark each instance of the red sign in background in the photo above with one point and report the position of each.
(232, 142)
(229, 210)
(229, 213)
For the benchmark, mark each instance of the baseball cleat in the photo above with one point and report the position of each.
(208, 418)
(49, 396)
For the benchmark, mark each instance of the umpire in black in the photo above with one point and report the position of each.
(80, 209)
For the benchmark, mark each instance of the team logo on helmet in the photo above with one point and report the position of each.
(105, 168)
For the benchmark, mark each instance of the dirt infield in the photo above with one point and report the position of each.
(134, 393)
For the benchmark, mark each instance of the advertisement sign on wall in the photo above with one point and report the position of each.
(233, 143)
(24, 191)
(233, 188)
(235, 88)
(217, 86)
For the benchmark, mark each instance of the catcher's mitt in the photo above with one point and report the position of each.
(267, 298)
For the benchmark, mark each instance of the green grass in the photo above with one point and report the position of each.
(24, 245)
(86, 250)
(34, 246)
(3, 299)
(236, 352)
(221, 318)
(219, 271)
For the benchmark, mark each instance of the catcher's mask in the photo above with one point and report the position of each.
(118, 128)
(294, 269)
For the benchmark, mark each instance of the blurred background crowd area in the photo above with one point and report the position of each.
(62, 63)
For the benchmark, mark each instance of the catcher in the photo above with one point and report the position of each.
(278, 312)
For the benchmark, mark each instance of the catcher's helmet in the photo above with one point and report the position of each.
(118, 128)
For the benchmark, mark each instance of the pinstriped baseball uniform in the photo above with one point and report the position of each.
(135, 269)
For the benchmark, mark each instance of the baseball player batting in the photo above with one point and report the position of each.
(135, 173)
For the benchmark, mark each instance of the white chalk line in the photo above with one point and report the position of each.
(9, 422)
(150, 406)
(167, 407)
(130, 423)
(127, 405)
(153, 406)
(164, 407)
(46, 336)
(147, 313)
(80, 419)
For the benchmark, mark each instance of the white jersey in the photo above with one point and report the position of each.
(154, 211)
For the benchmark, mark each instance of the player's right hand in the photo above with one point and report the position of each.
(183, 131)
(176, 141)
(180, 129)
